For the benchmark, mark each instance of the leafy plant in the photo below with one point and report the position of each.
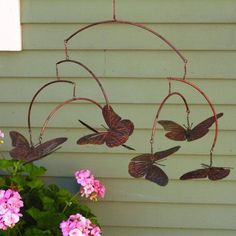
(45, 206)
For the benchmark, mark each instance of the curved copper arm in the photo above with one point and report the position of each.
(88, 70)
(37, 93)
(154, 128)
(114, 9)
(115, 21)
(59, 106)
(212, 108)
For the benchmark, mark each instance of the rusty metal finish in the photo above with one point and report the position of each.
(119, 130)
(117, 133)
(213, 173)
(115, 21)
(154, 127)
(59, 106)
(179, 133)
(146, 165)
(35, 96)
(212, 108)
(96, 131)
(88, 70)
(28, 153)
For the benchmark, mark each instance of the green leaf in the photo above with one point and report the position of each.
(18, 180)
(5, 164)
(48, 203)
(2, 182)
(35, 213)
(34, 170)
(37, 232)
(35, 183)
(46, 219)
(53, 188)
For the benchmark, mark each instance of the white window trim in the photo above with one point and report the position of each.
(10, 27)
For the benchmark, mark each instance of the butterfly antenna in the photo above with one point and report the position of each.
(88, 126)
(158, 163)
(205, 165)
(128, 147)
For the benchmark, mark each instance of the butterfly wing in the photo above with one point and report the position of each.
(110, 143)
(114, 121)
(202, 128)
(139, 166)
(96, 138)
(157, 175)
(22, 147)
(176, 131)
(217, 173)
(195, 174)
(125, 127)
(110, 117)
(115, 138)
(166, 153)
(45, 149)
(18, 140)
(119, 130)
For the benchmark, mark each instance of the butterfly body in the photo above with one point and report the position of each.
(212, 173)
(146, 165)
(179, 133)
(116, 134)
(24, 151)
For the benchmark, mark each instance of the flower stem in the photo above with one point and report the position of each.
(18, 230)
(69, 202)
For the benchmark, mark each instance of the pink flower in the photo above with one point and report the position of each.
(1, 136)
(90, 188)
(75, 232)
(10, 219)
(10, 204)
(77, 225)
(84, 177)
(96, 231)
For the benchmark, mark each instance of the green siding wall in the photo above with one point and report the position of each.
(132, 65)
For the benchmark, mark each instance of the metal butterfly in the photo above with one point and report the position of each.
(117, 133)
(179, 133)
(145, 165)
(213, 173)
(27, 153)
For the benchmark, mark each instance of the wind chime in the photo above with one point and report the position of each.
(119, 130)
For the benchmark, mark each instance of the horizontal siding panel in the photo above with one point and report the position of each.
(139, 140)
(165, 215)
(139, 231)
(135, 91)
(205, 192)
(133, 112)
(183, 36)
(178, 11)
(110, 165)
(114, 64)
(143, 191)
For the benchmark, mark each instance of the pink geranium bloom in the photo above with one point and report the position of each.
(78, 225)
(75, 232)
(84, 177)
(1, 136)
(90, 187)
(96, 231)
(10, 204)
